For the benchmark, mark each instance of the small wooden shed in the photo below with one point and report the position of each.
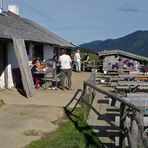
(20, 40)
(111, 57)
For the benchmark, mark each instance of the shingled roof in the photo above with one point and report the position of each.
(13, 26)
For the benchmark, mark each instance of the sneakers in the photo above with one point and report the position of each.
(52, 88)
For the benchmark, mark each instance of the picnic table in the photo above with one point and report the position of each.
(141, 78)
(131, 86)
(116, 73)
(139, 99)
(115, 77)
(135, 77)
(48, 76)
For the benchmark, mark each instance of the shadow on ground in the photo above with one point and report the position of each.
(84, 128)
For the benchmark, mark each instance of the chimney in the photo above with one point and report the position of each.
(1, 6)
(14, 9)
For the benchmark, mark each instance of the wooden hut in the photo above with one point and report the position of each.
(111, 57)
(20, 40)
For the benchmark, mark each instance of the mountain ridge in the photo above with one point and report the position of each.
(136, 42)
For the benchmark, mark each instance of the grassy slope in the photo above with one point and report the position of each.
(74, 133)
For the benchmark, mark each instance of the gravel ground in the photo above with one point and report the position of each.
(26, 119)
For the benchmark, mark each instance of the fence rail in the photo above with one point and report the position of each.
(126, 108)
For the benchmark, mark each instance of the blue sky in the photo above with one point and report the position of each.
(81, 21)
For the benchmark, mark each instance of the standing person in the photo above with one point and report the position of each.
(85, 61)
(86, 58)
(66, 70)
(120, 66)
(77, 60)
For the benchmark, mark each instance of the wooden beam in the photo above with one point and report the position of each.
(140, 124)
(20, 51)
(134, 133)
(123, 111)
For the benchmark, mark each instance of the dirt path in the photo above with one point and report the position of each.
(34, 116)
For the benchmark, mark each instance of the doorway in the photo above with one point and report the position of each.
(38, 51)
(3, 63)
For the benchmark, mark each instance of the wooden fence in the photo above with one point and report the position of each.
(126, 110)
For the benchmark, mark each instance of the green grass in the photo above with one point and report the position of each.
(1, 103)
(74, 133)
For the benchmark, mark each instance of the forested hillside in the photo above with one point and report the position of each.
(136, 42)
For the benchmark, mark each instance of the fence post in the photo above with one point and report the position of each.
(94, 75)
(134, 133)
(122, 125)
(93, 79)
(84, 105)
(90, 95)
(140, 124)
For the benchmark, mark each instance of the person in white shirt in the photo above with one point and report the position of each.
(66, 70)
(77, 60)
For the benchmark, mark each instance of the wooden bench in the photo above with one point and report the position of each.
(133, 83)
(140, 101)
(141, 78)
(115, 72)
(131, 86)
(139, 94)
